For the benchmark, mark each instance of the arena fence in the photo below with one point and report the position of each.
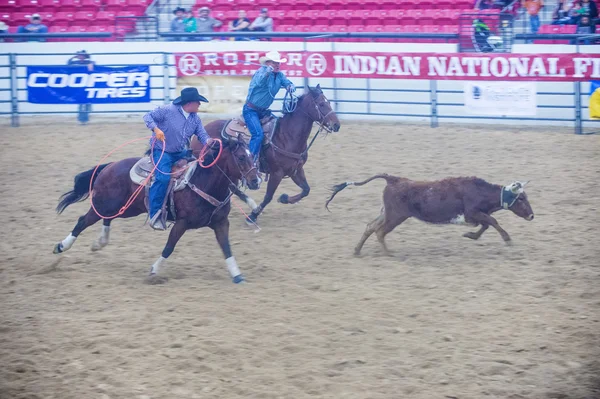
(385, 99)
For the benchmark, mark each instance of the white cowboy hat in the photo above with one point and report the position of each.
(272, 56)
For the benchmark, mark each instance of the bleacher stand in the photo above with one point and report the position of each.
(428, 16)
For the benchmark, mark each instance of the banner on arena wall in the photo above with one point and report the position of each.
(595, 99)
(500, 98)
(224, 93)
(78, 85)
(429, 66)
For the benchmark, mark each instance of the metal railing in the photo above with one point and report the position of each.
(426, 100)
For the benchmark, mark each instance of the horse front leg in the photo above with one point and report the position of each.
(83, 223)
(222, 235)
(244, 197)
(300, 179)
(175, 235)
(271, 187)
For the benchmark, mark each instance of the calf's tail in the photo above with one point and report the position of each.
(339, 187)
(81, 188)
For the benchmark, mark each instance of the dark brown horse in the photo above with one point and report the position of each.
(288, 151)
(205, 202)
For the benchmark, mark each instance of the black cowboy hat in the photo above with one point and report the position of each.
(189, 94)
(82, 53)
(178, 9)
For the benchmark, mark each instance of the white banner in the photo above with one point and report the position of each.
(500, 98)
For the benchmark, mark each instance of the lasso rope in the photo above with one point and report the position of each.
(133, 196)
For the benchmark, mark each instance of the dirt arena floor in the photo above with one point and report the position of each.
(445, 317)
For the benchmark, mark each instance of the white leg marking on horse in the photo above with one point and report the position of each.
(157, 265)
(104, 236)
(232, 266)
(68, 242)
(251, 203)
(459, 219)
(102, 241)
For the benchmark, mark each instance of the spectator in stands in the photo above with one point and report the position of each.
(82, 58)
(178, 23)
(3, 29)
(241, 24)
(589, 9)
(206, 23)
(483, 4)
(189, 23)
(533, 8)
(263, 23)
(584, 27)
(35, 26)
(561, 14)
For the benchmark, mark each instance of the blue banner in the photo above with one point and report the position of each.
(78, 85)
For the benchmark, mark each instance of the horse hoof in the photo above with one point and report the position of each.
(57, 249)
(154, 279)
(284, 199)
(509, 243)
(239, 279)
(96, 246)
(472, 236)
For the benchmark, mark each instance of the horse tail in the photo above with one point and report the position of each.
(81, 189)
(339, 187)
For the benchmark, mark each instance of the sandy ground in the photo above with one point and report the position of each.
(445, 317)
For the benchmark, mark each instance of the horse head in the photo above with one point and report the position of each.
(318, 108)
(237, 163)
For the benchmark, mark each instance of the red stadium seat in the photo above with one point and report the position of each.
(137, 6)
(20, 18)
(442, 17)
(126, 25)
(339, 17)
(105, 16)
(69, 6)
(57, 29)
(50, 5)
(568, 28)
(32, 6)
(301, 17)
(91, 5)
(83, 17)
(316, 5)
(8, 5)
(63, 18)
(47, 17)
(358, 29)
(6, 17)
(115, 5)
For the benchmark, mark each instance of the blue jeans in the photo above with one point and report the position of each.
(534, 21)
(158, 190)
(84, 113)
(252, 118)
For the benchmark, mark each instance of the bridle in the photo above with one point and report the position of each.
(238, 143)
(290, 103)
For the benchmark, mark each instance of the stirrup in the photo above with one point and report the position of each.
(156, 222)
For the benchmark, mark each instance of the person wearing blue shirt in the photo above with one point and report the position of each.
(265, 84)
(173, 126)
(35, 26)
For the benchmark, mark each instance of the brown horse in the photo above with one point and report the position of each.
(287, 153)
(204, 202)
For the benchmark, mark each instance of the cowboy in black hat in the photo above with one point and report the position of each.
(178, 23)
(173, 126)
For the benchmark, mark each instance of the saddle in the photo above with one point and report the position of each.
(181, 171)
(237, 126)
